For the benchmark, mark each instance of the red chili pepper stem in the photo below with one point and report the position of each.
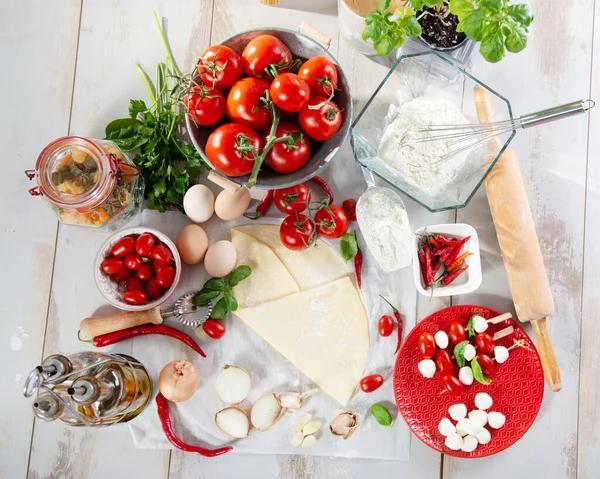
(83, 340)
(263, 206)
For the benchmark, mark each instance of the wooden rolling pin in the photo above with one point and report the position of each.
(98, 325)
(519, 245)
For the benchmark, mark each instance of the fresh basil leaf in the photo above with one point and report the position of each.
(478, 373)
(230, 301)
(381, 414)
(136, 107)
(374, 16)
(459, 353)
(125, 133)
(492, 46)
(491, 5)
(214, 284)
(384, 5)
(410, 27)
(383, 45)
(239, 274)
(471, 328)
(418, 4)
(520, 13)
(202, 298)
(220, 309)
(461, 8)
(516, 40)
(373, 30)
(348, 246)
(472, 25)
(403, 12)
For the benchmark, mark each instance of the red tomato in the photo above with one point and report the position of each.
(153, 289)
(426, 344)
(144, 244)
(145, 271)
(213, 328)
(123, 247)
(223, 153)
(158, 267)
(332, 222)
(264, 51)
(166, 276)
(112, 265)
(385, 326)
(292, 199)
(349, 207)
(323, 123)
(205, 106)
(135, 284)
(220, 66)
(133, 261)
(456, 332)
(134, 297)
(162, 254)
(284, 158)
(297, 232)
(370, 383)
(244, 105)
(290, 92)
(485, 343)
(122, 275)
(443, 361)
(487, 364)
(321, 75)
(453, 385)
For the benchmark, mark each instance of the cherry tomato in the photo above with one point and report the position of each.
(487, 364)
(213, 328)
(220, 66)
(332, 222)
(123, 247)
(297, 232)
(290, 92)
(485, 343)
(292, 199)
(349, 207)
(153, 289)
(453, 385)
(135, 284)
(122, 275)
(158, 267)
(244, 105)
(443, 361)
(205, 106)
(321, 75)
(162, 254)
(323, 123)
(370, 383)
(145, 271)
(222, 149)
(263, 51)
(426, 343)
(284, 158)
(456, 332)
(134, 297)
(385, 326)
(112, 265)
(166, 276)
(133, 261)
(144, 244)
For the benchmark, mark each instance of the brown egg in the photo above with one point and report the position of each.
(229, 206)
(192, 244)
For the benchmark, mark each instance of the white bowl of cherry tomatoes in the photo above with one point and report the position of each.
(269, 108)
(137, 269)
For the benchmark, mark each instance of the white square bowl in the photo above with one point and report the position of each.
(467, 282)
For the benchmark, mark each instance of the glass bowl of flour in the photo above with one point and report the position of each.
(391, 135)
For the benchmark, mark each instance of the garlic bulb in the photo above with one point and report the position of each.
(344, 424)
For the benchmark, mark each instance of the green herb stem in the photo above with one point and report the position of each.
(165, 43)
(146, 81)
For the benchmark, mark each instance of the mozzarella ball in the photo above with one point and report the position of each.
(465, 375)
(496, 419)
(446, 427)
(461, 427)
(472, 426)
(478, 415)
(192, 244)
(500, 354)
(469, 352)
(427, 368)
(469, 443)
(457, 411)
(479, 324)
(199, 203)
(453, 441)
(441, 339)
(230, 206)
(220, 259)
(483, 401)
(484, 436)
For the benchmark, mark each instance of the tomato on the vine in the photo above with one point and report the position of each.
(321, 75)
(297, 232)
(220, 66)
(244, 104)
(426, 344)
(453, 385)
(293, 199)
(321, 123)
(485, 343)
(224, 145)
(290, 92)
(443, 361)
(332, 222)
(456, 332)
(205, 106)
(264, 51)
(285, 158)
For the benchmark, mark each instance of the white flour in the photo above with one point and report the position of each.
(416, 163)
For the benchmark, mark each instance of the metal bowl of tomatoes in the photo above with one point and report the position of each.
(281, 168)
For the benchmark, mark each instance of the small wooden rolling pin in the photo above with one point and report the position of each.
(98, 325)
(519, 245)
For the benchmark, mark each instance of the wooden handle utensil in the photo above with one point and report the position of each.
(98, 325)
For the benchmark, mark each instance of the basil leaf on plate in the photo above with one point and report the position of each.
(478, 373)
(459, 353)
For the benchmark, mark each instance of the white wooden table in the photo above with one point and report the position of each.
(68, 69)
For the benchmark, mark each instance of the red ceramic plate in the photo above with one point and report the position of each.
(517, 386)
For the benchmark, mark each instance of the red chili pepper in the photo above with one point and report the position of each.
(423, 267)
(323, 184)
(446, 280)
(437, 264)
(263, 207)
(162, 405)
(368, 384)
(434, 241)
(358, 261)
(429, 274)
(117, 336)
(458, 261)
(453, 255)
(349, 206)
(399, 321)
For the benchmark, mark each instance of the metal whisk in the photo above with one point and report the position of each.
(464, 137)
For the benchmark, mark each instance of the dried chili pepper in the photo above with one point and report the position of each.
(263, 206)
(422, 265)
(429, 274)
(453, 255)
(399, 321)
(434, 241)
(349, 206)
(323, 184)
(358, 261)
(162, 405)
(458, 261)
(117, 336)
(449, 278)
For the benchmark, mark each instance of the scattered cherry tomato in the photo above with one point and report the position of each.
(145, 271)
(220, 66)
(297, 232)
(284, 158)
(487, 364)
(122, 275)
(153, 289)
(322, 123)
(453, 385)
(426, 343)
(485, 343)
(213, 328)
(443, 361)
(144, 244)
(456, 332)
(162, 254)
(135, 284)
(370, 383)
(321, 75)
(332, 222)
(264, 51)
(112, 265)
(204, 105)
(293, 199)
(349, 207)
(290, 92)
(223, 149)
(166, 276)
(123, 247)
(385, 326)
(133, 261)
(135, 297)
(244, 105)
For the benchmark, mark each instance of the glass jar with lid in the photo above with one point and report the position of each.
(88, 182)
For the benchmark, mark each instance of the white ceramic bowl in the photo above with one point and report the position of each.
(467, 282)
(112, 291)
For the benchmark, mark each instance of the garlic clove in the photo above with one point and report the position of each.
(233, 421)
(297, 439)
(266, 411)
(291, 401)
(311, 427)
(309, 441)
(344, 424)
(303, 421)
